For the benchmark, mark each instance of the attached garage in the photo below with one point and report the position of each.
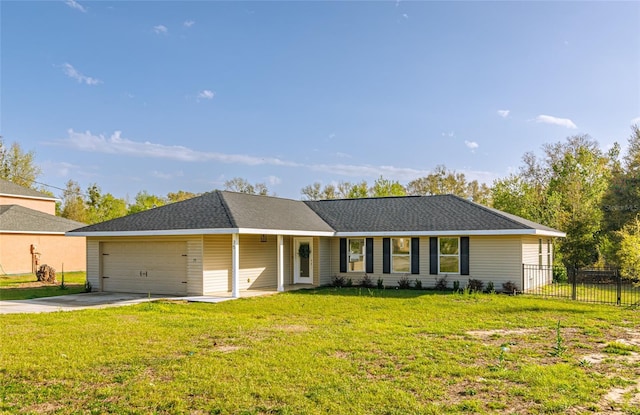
(142, 267)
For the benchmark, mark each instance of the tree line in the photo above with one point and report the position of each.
(575, 186)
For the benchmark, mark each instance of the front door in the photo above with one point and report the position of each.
(303, 261)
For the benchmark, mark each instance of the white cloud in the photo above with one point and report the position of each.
(117, 145)
(160, 29)
(273, 180)
(471, 144)
(166, 176)
(449, 134)
(71, 72)
(406, 16)
(188, 23)
(503, 113)
(75, 5)
(206, 94)
(332, 135)
(343, 155)
(563, 122)
(120, 146)
(635, 121)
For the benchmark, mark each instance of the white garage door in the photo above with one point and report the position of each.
(145, 267)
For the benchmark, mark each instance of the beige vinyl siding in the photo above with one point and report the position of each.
(258, 262)
(324, 248)
(495, 258)
(531, 255)
(93, 264)
(216, 263)
(194, 267)
(530, 249)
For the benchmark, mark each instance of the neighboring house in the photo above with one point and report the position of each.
(228, 242)
(31, 234)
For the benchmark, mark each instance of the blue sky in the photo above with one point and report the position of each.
(166, 96)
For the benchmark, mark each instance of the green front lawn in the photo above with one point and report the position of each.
(344, 351)
(26, 286)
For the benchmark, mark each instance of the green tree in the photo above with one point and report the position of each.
(103, 207)
(359, 190)
(17, 166)
(73, 204)
(180, 195)
(443, 181)
(629, 252)
(145, 201)
(384, 187)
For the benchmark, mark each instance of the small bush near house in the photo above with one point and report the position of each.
(441, 283)
(338, 281)
(404, 282)
(366, 281)
(380, 283)
(490, 287)
(418, 284)
(349, 283)
(456, 286)
(475, 285)
(509, 288)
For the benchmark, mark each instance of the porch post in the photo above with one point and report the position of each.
(235, 265)
(280, 263)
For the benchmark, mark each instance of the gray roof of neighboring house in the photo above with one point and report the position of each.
(15, 218)
(416, 213)
(219, 210)
(10, 188)
(229, 210)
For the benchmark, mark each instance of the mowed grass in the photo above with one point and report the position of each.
(342, 351)
(26, 286)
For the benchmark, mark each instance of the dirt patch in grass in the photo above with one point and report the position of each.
(486, 334)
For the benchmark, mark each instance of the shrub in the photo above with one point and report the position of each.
(338, 281)
(441, 283)
(380, 283)
(456, 286)
(560, 274)
(87, 286)
(490, 288)
(404, 282)
(475, 285)
(366, 281)
(349, 283)
(509, 288)
(418, 284)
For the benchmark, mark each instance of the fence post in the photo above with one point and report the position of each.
(523, 278)
(619, 287)
(574, 274)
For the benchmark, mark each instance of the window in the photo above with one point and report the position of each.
(449, 255)
(356, 255)
(401, 255)
(540, 255)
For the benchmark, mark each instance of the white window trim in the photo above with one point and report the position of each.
(364, 254)
(449, 255)
(392, 255)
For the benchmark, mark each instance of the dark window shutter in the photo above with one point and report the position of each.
(464, 255)
(433, 255)
(415, 255)
(386, 255)
(369, 255)
(343, 254)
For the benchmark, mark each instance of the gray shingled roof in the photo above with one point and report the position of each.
(15, 218)
(417, 214)
(202, 212)
(265, 212)
(10, 188)
(229, 210)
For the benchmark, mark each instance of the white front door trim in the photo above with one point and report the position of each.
(298, 262)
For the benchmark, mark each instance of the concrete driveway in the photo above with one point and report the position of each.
(72, 302)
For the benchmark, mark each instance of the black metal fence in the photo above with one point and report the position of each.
(592, 285)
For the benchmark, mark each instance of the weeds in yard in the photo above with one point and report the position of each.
(559, 348)
(456, 286)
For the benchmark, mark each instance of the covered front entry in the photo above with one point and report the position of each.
(144, 267)
(303, 261)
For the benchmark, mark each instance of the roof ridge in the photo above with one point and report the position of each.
(226, 208)
(494, 212)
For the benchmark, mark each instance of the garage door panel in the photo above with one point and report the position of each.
(142, 267)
